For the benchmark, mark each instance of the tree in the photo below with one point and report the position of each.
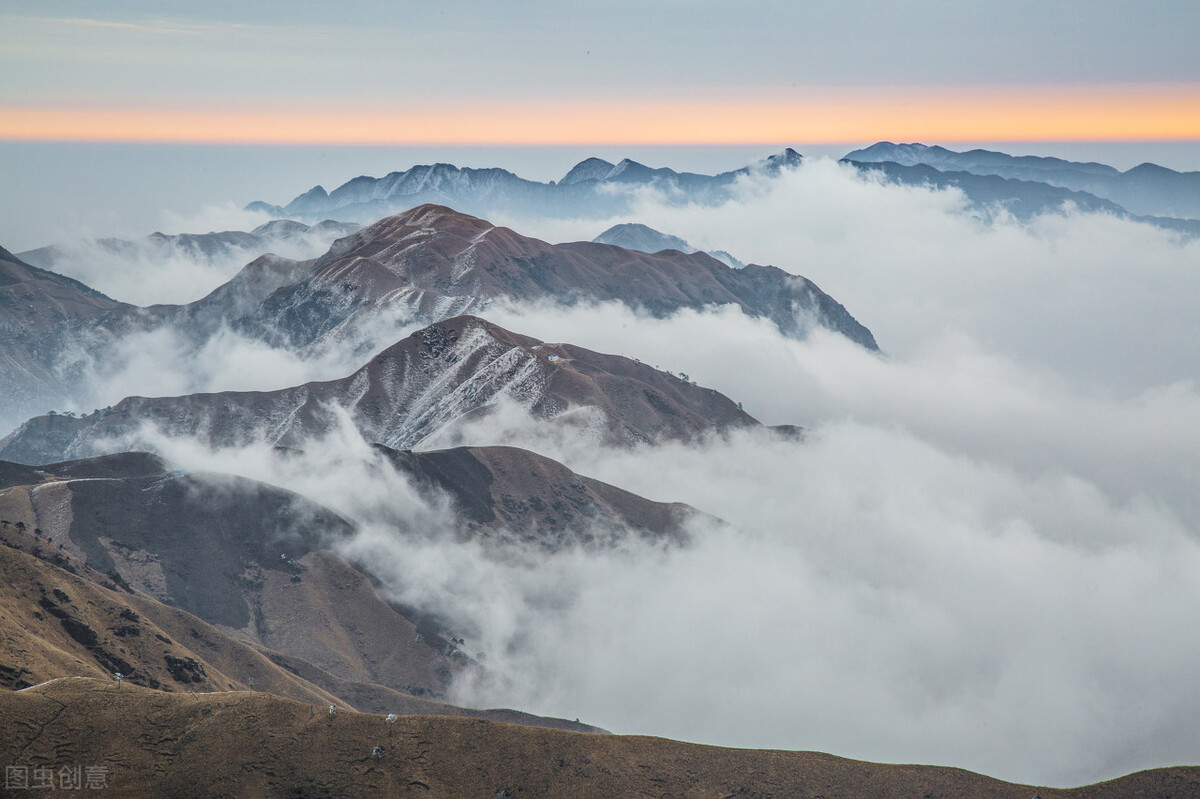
(21, 526)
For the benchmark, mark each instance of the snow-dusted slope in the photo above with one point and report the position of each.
(411, 395)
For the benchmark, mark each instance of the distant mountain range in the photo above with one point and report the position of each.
(1030, 185)
(634, 236)
(592, 188)
(1145, 190)
(1023, 186)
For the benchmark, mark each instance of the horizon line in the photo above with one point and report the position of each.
(1051, 114)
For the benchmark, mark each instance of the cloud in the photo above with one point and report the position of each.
(948, 584)
(951, 392)
(164, 362)
(146, 274)
(983, 555)
(1072, 293)
(213, 217)
(878, 598)
(890, 614)
(148, 271)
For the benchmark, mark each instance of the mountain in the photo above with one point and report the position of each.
(201, 248)
(633, 236)
(261, 564)
(511, 493)
(979, 162)
(415, 392)
(237, 743)
(424, 265)
(1147, 190)
(44, 317)
(1024, 199)
(587, 169)
(60, 617)
(592, 188)
(53, 328)
(431, 262)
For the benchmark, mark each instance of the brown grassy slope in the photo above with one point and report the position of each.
(375, 698)
(251, 744)
(333, 617)
(204, 546)
(55, 622)
(211, 547)
(58, 619)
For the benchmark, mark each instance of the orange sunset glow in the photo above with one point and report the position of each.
(1118, 113)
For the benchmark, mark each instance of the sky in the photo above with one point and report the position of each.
(535, 72)
(94, 97)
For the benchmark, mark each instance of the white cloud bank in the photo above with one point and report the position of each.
(964, 564)
(148, 272)
(1075, 293)
(985, 555)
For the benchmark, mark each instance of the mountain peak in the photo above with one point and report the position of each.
(636, 236)
(414, 392)
(587, 169)
(429, 218)
(624, 165)
(908, 154)
(787, 157)
(313, 200)
(429, 214)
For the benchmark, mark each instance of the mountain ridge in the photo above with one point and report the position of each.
(264, 565)
(421, 266)
(62, 618)
(412, 392)
(1147, 190)
(432, 261)
(247, 742)
(482, 191)
(636, 236)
